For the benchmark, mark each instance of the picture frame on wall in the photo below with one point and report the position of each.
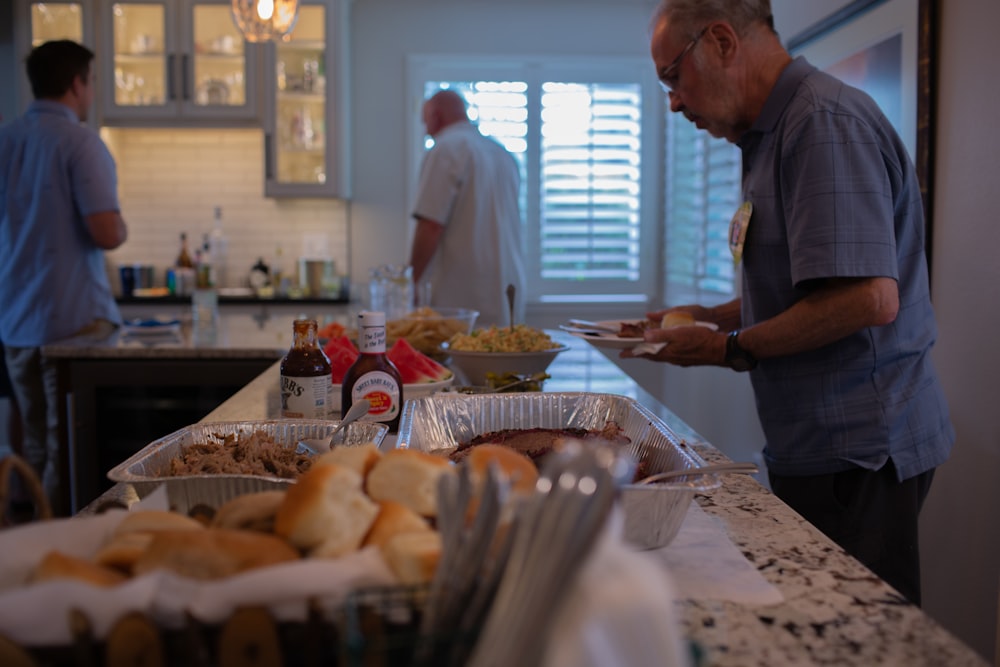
(886, 48)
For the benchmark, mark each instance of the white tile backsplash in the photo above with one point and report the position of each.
(170, 181)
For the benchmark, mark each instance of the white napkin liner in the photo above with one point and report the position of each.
(706, 565)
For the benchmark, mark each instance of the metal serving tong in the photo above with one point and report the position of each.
(715, 468)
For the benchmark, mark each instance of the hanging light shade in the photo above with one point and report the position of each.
(264, 20)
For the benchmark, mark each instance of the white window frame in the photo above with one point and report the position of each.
(534, 70)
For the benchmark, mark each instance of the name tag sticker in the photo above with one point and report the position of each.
(738, 230)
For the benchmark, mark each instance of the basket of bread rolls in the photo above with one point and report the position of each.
(268, 573)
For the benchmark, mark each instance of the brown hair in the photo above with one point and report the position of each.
(53, 66)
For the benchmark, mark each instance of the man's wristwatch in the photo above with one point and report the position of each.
(736, 357)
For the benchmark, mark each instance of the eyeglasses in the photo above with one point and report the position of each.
(670, 77)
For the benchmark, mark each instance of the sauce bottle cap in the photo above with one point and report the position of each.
(371, 318)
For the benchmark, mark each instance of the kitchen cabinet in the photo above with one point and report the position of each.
(166, 61)
(305, 137)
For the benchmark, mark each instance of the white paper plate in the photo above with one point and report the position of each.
(613, 342)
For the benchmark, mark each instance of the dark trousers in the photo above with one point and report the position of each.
(868, 513)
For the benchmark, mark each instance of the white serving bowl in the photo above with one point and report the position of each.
(473, 366)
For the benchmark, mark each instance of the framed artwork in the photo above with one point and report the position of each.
(886, 48)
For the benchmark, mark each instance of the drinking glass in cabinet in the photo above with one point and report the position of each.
(301, 100)
(56, 20)
(218, 58)
(140, 64)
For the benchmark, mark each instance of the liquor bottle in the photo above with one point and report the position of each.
(306, 383)
(279, 279)
(373, 376)
(203, 265)
(218, 249)
(184, 257)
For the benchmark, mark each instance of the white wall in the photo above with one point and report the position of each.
(384, 32)
(960, 541)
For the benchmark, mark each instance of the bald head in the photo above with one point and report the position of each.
(442, 109)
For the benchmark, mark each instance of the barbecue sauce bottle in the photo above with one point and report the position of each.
(373, 376)
(306, 384)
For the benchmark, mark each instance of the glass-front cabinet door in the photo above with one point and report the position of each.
(47, 21)
(177, 59)
(304, 136)
(58, 20)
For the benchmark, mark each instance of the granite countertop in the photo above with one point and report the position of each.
(834, 610)
(235, 336)
(233, 297)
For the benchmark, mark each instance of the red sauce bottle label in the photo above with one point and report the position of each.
(383, 392)
(373, 376)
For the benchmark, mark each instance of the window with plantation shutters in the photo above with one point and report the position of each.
(608, 216)
(702, 192)
(588, 196)
(590, 182)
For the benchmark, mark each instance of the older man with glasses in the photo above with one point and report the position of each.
(834, 324)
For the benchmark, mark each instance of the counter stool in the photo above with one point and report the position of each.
(14, 510)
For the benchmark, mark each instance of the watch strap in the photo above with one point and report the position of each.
(738, 358)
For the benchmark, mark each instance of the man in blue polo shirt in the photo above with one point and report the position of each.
(835, 324)
(58, 192)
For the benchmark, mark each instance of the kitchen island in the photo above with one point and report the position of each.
(121, 392)
(827, 607)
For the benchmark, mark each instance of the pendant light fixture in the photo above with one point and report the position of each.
(265, 20)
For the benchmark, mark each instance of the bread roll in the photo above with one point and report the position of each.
(252, 511)
(57, 565)
(516, 466)
(212, 553)
(359, 458)
(325, 512)
(413, 557)
(677, 318)
(151, 520)
(123, 550)
(394, 519)
(409, 477)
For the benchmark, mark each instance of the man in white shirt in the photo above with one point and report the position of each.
(467, 242)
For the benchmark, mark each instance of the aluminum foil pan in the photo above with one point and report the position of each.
(148, 468)
(653, 514)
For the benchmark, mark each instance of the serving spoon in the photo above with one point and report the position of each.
(354, 413)
(732, 466)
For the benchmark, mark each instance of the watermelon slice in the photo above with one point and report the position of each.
(342, 355)
(414, 366)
